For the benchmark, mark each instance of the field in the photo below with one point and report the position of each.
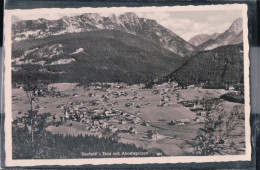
(130, 114)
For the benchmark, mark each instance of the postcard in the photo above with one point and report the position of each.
(127, 85)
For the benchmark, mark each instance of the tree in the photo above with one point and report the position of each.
(149, 134)
(32, 85)
(215, 137)
(23, 145)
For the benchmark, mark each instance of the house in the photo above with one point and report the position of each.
(239, 87)
(231, 88)
(115, 93)
(203, 114)
(97, 88)
(107, 112)
(75, 94)
(93, 130)
(61, 106)
(165, 104)
(135, 98)
(37, 107)
(117, 111)
(163, 93)
(123, 122)
(91, 95)
(183, 121)
(190, 86)
(122, 93)
(137, 112)
(110, 114)
(87, 121)
(75, 108)
(188, 104)
(166, 99)
(82, 108)
(96, 110)
(158, 154)
(95, 102)
(136, 121)
(155, 91)
(127, 105)
(199, 119)
(130, 104)
(96, 123)
(104, 124)
(133, 130)
(114, 130)
(142, 98)
(172, 122)
(132, 117)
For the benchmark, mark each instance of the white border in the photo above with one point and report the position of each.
(109, 161)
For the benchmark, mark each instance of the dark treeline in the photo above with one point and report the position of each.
(233, 97)
(58, 146)
(32, 74)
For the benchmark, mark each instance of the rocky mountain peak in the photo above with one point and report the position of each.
(15, 19)
(95, 16)
(127, 22)
(214, 35)
(237, 26)
(129, 17)
(201, 38)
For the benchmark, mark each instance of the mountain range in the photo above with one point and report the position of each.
(129, 22)
(233, 35)
(125, 48)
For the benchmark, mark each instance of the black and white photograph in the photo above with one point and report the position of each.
(151, 84)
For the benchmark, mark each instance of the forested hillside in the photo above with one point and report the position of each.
(215, 68)
(103, 55)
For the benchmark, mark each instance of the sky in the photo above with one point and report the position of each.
(190, 23)
(184, 23)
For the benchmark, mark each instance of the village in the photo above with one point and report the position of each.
(160, 117)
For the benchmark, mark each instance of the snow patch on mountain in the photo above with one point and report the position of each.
(80, 50)
(46, 51)
(50, 51)
(212, 47)
(63, 61)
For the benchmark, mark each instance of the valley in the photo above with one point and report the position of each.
(154, 119)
